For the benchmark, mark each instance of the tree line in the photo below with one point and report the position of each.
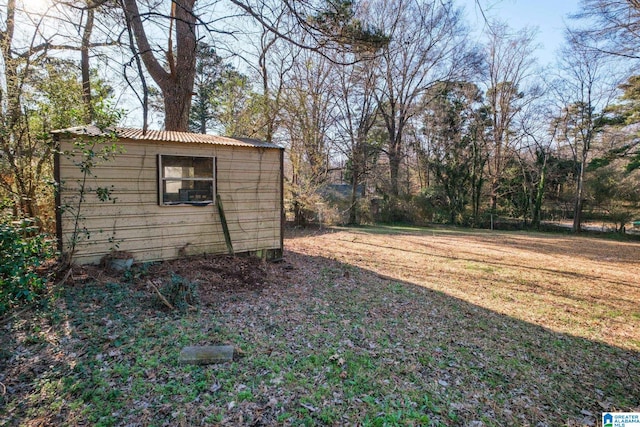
(389, 110)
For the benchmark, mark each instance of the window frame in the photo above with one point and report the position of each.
(162, 180)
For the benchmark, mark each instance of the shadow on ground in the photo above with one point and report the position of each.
(324, 342)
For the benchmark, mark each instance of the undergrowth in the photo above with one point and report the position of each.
(180, 292)
(22, 250)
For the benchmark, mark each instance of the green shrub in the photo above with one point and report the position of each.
(180, 292)
(22, 249)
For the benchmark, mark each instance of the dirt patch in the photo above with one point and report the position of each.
(213, 275)
(219, 274)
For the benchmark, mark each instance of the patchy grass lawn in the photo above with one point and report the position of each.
(369, 326)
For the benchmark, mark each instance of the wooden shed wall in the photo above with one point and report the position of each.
(248, 181)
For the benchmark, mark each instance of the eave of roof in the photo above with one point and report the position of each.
(165, 136)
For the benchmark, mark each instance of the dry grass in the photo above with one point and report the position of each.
(586, 287)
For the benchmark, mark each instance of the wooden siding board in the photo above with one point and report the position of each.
(248, 181)
(158, 253)
(123, 229)
(169, 249)
(259, 210)
(146, 203)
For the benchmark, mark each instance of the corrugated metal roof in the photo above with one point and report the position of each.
(166, 136)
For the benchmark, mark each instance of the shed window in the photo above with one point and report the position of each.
(186, 180)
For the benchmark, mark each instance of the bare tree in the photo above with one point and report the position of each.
(510, 65)
(39, 91)
(534, 154)
(271, 58)
(273, 65)
(326, 26)
(23, 158)
(308, 115)
(89, 11)
(176, 80)
(611, 27)
(357, 114)
(173, 67)
(428, 45)
(584, 90)
(77, 22)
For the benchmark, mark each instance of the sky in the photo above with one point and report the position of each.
(549, 16)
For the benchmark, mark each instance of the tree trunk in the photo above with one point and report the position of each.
(476, 188)
(494, 194)
(177, 83)
(298, 214)
(537, 206)
(577, 210)
(353, 207)
(12, 136)
(476, 182)
(177, 104)
(395, 159)
(85, 67)
(11, 65)
(527, 193)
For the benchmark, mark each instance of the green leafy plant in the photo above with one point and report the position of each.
(22, 252)
(86, 155)
(181, 293)
(136, 272)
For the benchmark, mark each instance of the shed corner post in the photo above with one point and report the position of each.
(282, 212)
(58, 190)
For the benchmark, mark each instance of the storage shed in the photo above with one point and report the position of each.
(156, 195)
